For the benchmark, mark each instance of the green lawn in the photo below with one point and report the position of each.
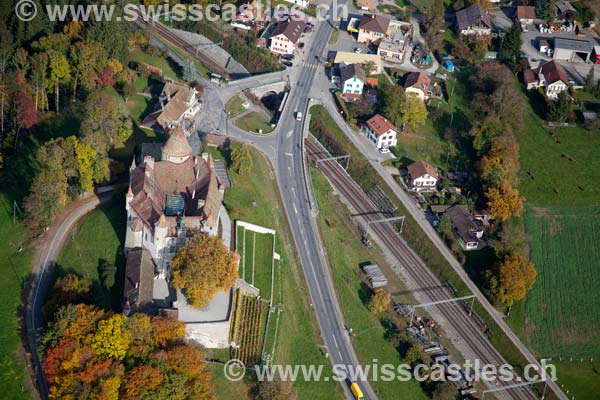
(234, 106)
(256, 258)
(549, 178)
(16, 267)
(254, 198)
(252, 122)
(170, 69)
(346, 254)
(580, 378)
(99, 237)
(202, 70)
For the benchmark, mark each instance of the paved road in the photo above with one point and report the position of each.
(46, 258)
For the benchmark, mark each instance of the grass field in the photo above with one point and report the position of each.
(346, 254)
(581, 379)
(562, 309)
(256, 259)
(15, 267)
(293, 336)
(234, 106)
(170, 69)
(98, 238)
(252, 122)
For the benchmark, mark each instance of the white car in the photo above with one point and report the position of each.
(384, 150)
(298, 116)
(358, 50)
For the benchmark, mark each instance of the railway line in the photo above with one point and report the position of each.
(415, 269)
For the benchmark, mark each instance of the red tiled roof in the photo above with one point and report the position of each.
(553, 72)
(379, 125)
(420, 168)
(374, 23)
(419, 80)
(525, 12)
(291, 29)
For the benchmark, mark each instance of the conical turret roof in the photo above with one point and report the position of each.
(177, 145)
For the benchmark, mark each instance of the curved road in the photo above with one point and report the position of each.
(46, 258)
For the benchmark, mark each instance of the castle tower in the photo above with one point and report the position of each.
(177, 149)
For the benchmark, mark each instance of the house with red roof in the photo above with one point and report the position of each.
(551, 76)
(380, 131)
(417, 84)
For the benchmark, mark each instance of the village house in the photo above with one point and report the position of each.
(285, 36)
(352, 80)
(366, 5)
(565, 11)
(467, 229)
(253, 13)
(372, 27)
(551, 76)
(418, 84)
(525, 15)
(473, 20)
(422, 177)
(177, 104)
(380, 131)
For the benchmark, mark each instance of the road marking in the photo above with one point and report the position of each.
(335, 341)
(295, 209)
(289, 133)
(289, 154)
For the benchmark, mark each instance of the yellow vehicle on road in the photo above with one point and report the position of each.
(355, 389)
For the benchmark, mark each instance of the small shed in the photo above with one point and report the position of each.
(376, 277)
(449, 66)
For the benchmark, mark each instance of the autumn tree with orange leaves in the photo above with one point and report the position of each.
(504, 201)
(515, 277)
(91, 353)
(203, 267)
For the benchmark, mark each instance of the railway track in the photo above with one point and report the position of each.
(415, 269)
(189, 48)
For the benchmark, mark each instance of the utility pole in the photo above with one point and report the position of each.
(15, 210)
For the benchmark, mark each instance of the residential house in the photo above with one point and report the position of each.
(418, 84)
(473, 20)
(380, 131)
(372, 28)
(393, 46)
(352, 80)
(286, 35)
(467, 229)
(551, 76)
(343, 58)
(177, 104)
(422, 176)
(526, 15)
(253, 13)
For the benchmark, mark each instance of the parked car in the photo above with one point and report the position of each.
(384, 150)
(358, 50)
(298, 116)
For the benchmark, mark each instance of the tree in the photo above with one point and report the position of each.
(414, 112)
(108, 275)
(276, 389)
(558, 109)
(189, 71)
(25, 112)
(444, 227)
(369, 67)
(504, 201)
(111, 340)
(590, 81)
(144, 378)
(380, 301)
(413, 355)
(444, 391)
(486, 5)
(393, 103)
(60, 72)
(68, 289)
(510, 238)
(241, 159)
(203, 267)
(516, 276)
(549, 10)
(46, 197)
(510, 48)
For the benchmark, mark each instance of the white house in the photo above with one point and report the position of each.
(176, 103)
(551, 76)
(422, 176)
(380, 131)
(352, 80)
(417, 84)
(285, 36)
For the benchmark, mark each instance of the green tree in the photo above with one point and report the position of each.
(414, 112)
(414, 355)
(203, 267)
(108, 275)
(47, 196)
(510, 48)
(590, 81)
(241, 159)
(60, 73)
(444, 391)
(558, 109)
(380, 301)
(392, 103)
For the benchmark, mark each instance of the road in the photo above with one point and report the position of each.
(47, 255)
